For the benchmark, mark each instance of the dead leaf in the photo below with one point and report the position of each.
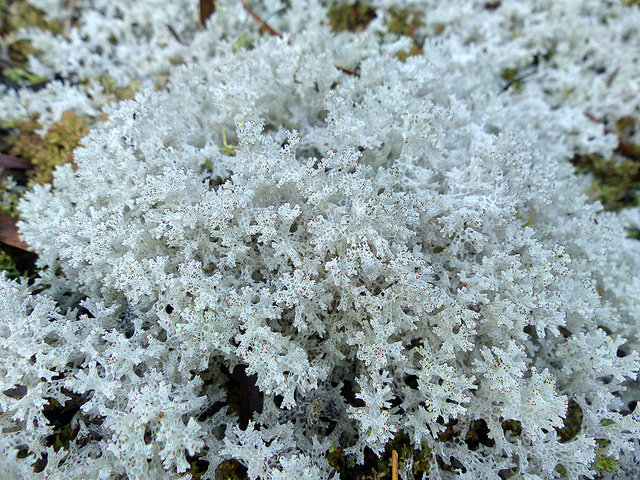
(15, 163)
(207, 7)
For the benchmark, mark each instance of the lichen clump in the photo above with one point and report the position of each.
(306, 253)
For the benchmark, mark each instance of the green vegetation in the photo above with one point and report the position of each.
(603, 463)
(380, 468)
(56, 148)
(615, 183)
(353, 18)
(120, 93)
(16, 14)
(406, 23)
(572, 422)
(8, 265)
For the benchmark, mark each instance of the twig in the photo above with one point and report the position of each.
(69, 5)
(394, 465)
(353, 73)
(515, 80)
(258, 18)
(175, 35)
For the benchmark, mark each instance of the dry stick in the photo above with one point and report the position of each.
(258, 18)
(175, 35)
(624, 147)
(353, 73)
(69, 5)
(394, 465)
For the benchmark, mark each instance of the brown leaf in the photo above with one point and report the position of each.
(9, 233)
(15, 163)
(207, 7)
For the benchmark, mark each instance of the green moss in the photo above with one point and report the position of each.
(572, 422)
(615, 181)
(243, 42)
(16, 14)
(512, 428)
(21, 76)
(353, 18)
(509, 74)
(8, 265)
(604, 463)
(381, 467)
(110, 87)
(561, 470)
(9, 200)
(56, 148)
(230, 470)
(197, 469)
(512, 78)
(406, 23)
(338, 460)
(404, 54)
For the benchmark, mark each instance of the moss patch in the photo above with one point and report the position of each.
(230, 470)
(56, 148)
(572, 422)
(406, 23)
(353, 18)
(615, 183)
(8, 265)
(14, 15)
(110, 87)
(604, 463)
